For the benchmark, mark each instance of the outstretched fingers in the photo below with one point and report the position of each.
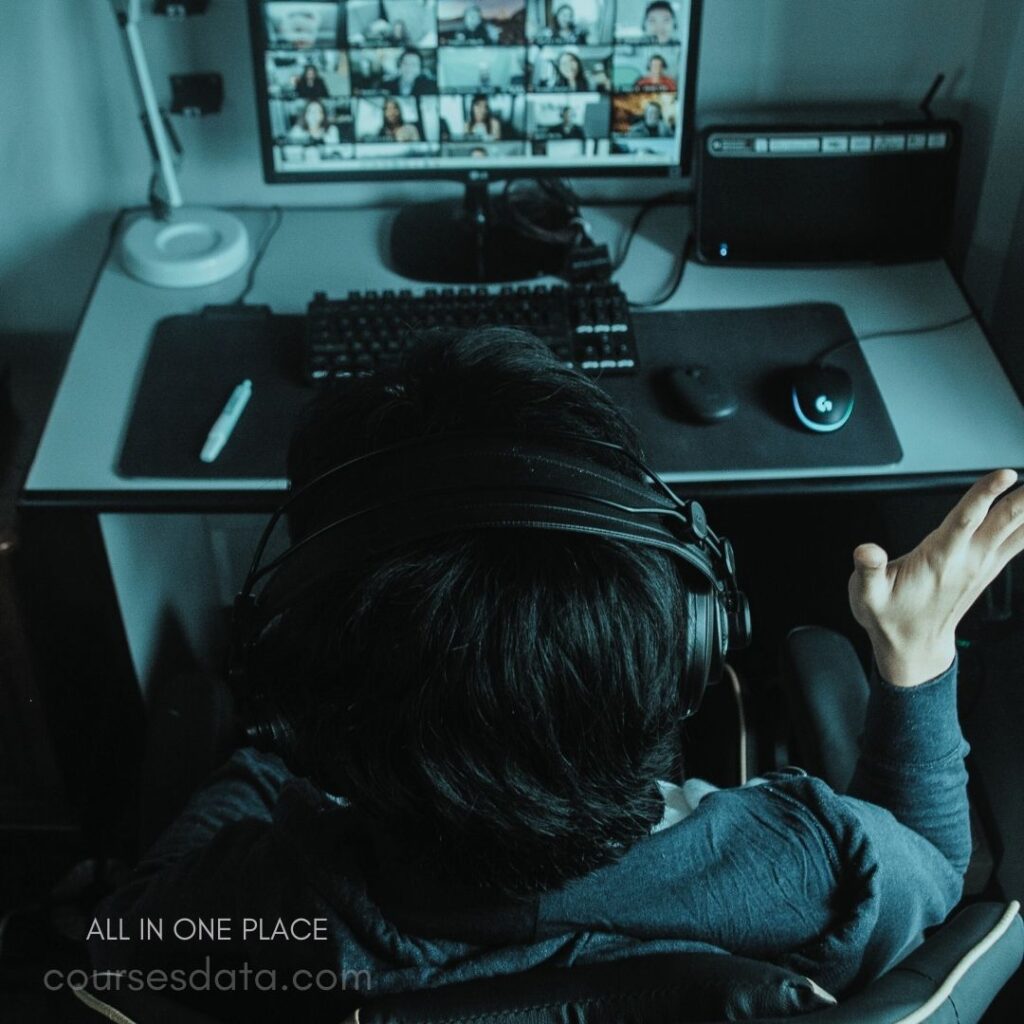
(972, 511)
(1012, 545)
(1004, 519)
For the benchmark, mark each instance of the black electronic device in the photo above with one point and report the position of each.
(475, 93)
(822, 397)
(197, 94)
(586, 325)
(699, 394)
(826, 187)
(427, 487)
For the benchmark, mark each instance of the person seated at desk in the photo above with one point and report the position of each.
(490, 717)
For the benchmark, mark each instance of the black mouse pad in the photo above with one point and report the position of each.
(194, 362)
(756, 351)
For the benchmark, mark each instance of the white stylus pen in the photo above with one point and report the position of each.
(221, 431)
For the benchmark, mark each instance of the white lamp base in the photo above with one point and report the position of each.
(195, 246)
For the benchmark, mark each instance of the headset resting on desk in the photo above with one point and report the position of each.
(431, 486)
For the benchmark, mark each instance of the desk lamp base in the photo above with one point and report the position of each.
(194, 246)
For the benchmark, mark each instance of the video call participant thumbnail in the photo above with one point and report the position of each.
(481, 69)
(397, 119)
(411, 80)
(312, 126)
(657, 22)
(484, 117)
(303, 26)
(309, 85)
(656, 77)
(575, 23)
(404, 23)
(481, 22)
(394, 72)
(639, 115)
(572, 69)
(641, 67)
(317, 75)
(568, 117)
(482, 122)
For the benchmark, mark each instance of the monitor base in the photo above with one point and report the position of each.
(463, 242)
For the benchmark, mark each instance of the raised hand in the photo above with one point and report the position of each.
(911, 606)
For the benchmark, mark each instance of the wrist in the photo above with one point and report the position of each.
(909, 665)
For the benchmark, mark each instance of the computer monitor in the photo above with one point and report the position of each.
(472, 90)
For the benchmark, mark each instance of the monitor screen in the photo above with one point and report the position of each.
(419, 87)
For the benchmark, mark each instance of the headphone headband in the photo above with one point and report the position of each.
(443, 484)
(473, 483)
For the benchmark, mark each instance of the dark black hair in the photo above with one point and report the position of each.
(660, 5)
(477, 97)
(500, 703)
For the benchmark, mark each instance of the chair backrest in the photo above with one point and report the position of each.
(663, 989)
(950, 979)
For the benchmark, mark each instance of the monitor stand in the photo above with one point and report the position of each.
(465, 242)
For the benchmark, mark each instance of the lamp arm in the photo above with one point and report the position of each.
(129, 21)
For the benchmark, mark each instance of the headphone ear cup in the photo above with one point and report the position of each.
(700, 640)
(739, 623)
(720, 640)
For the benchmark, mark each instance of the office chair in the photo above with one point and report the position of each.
(952, 977)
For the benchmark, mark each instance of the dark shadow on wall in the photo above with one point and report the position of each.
(49, 285)
(1008, 318)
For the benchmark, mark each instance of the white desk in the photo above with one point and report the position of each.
(170, 569)
(953, 409)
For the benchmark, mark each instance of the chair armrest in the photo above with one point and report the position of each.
(827, 691)
(950, 979)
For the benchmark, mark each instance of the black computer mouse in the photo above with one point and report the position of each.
(822, 397)
(699, 394)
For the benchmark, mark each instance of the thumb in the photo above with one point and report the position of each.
(869, 579)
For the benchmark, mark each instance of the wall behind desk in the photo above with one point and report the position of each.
(71, 151)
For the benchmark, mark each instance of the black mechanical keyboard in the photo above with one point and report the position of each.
(587, 326)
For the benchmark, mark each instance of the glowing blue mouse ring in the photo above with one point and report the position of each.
(819, 428)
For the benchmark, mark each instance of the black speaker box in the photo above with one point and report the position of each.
(825, 191)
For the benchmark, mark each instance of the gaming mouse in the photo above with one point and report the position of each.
(822, 397)
(699, 394)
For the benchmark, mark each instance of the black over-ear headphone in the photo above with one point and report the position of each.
(442, 484)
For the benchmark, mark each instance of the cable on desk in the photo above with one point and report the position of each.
(918, 330)
(268, 234)
(901, 332)
(682, 198)
(677, 278)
